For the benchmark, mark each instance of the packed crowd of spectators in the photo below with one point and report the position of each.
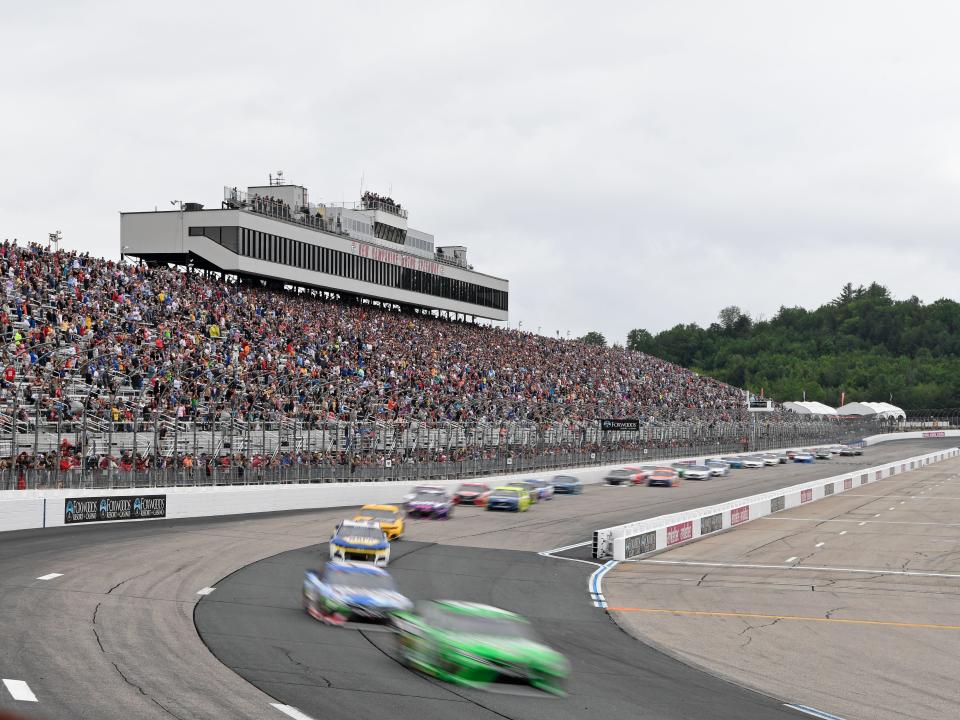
(125, 342)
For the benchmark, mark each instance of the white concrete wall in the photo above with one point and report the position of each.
(23, 509)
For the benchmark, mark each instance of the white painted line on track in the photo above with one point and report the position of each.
(893, 508)
(825, 568)
(877, 515)
(20, 690)
(566, 547)
(843, 532)
(550, 553)
(206, 591)
(791, 559)
(50, 576)
(813, 712)
(862, 523)
(820, 544)
(291, 711)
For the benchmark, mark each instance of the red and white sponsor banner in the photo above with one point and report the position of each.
(806, 495)
(879, 475)
(739, 515)
(940, 433)
(680, 532)
(848, 483)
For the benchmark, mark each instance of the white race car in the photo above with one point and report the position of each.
(718, 468)
(696, 472)
(753, 461)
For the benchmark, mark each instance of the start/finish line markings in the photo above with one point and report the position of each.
(20, 690)
(50, 576)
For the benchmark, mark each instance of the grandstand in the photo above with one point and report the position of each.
(115, 369)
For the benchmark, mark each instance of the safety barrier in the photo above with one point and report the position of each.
(659, 533)
(28, 509)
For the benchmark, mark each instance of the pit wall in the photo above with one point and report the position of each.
(637, 539)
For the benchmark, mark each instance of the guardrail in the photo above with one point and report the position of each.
(639, 538)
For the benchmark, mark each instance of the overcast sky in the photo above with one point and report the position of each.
(624, 165)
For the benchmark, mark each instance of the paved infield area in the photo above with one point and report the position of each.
(110, 633)
(850, 604)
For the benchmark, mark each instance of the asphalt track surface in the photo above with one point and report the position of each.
(114, 635)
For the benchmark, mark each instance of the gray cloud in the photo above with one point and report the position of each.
(625, 165)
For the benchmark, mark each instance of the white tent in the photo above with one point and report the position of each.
(882, 409)
(810, 408)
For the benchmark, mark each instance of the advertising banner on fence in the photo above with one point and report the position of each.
(739, 515)
(628, 424)
(641, 544)
(680, 532)
(114, 507)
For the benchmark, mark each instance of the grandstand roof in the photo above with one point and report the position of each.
(872, 408)
(809, 408)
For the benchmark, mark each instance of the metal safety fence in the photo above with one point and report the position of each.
(163, 451)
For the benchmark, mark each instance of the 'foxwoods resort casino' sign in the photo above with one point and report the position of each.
(117, 507)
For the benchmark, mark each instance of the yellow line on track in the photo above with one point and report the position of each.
(797, 618)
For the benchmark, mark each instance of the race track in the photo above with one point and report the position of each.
(114, 635)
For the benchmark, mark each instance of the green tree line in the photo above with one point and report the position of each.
(863, 343)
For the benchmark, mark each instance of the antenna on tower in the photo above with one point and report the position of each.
(53, 239)
(277, 179)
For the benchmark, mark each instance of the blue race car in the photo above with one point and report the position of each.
(351, 591)
(566, 485)
(733, 461)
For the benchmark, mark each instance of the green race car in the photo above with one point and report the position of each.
(476, 645)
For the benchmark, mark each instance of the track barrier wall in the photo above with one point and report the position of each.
(636, 539)
(34, 509)
(28, 509)
(41, 508)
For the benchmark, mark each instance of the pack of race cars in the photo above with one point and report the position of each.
(461, 642)
(670, 475)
